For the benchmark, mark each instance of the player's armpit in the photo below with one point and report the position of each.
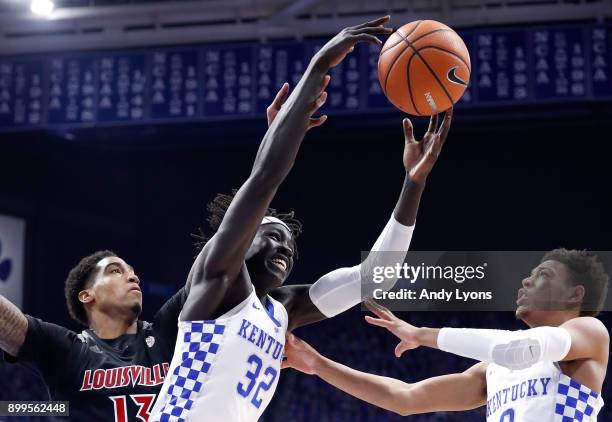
(590, 339)
(453, 392)
(299, 306)
(13, 327)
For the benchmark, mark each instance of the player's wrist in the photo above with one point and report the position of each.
(427, 337)
(320, 62)
(320, 365)
(416, 179)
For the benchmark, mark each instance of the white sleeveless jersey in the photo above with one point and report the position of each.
(540, 393)
(225, 370)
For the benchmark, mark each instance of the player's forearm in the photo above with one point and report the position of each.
(13, 327)
(281, 143)
(429, 395)
(344, 288)
(380, 391)
(407, 206)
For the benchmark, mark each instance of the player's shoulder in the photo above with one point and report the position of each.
(49, 328)
(589, 325)
(287, 294)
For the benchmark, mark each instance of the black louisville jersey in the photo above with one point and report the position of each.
(104, 380)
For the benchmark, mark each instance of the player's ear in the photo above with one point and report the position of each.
(576, 294)
(86, 296)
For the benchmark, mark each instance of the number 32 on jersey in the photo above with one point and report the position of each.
(253, 376)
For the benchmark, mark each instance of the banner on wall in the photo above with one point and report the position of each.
(12, 254)
(514, 65)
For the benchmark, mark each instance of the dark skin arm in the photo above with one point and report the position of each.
(419, 158)
(13, 327)
(221, 263)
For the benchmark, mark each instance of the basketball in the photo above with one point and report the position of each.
(424, 68)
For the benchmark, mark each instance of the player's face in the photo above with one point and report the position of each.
(546, 289)
(270, 257)
(116, 288)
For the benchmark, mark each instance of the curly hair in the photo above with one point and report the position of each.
(77, 280)
(218, 207)
(585, 269)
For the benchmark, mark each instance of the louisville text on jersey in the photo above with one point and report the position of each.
(123, 376)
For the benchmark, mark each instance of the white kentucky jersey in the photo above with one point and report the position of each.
(540, 393)
(225, 370)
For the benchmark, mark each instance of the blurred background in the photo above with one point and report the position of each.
(120, 120)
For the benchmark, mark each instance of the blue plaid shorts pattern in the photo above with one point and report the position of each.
(201, 342)
(575, 402)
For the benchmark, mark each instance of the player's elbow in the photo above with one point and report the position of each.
(206, 270)
(269, 174)
(401, 402)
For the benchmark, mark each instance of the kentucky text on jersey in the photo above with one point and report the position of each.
(261, 339)
(528, 388)
(124, 376)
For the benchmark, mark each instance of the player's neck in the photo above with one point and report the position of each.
(106, 327)
(263, 292)
(551, 318)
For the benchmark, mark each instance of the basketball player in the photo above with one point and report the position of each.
(232, 327)
(113, 370)
(552, 371)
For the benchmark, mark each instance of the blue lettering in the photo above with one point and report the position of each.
(277, 350)
(509, 413)
(254, 331)
(261, 341)
(526, 388)
(272, 340)
(532, 391)
(259, 338)
(243, 328)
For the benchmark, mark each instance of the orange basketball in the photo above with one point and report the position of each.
(424, 68)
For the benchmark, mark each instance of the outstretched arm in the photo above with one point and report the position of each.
(13, 327)
(578, 338)
(221, 260)
(341, 289)
(430, 395)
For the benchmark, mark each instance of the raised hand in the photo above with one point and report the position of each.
(281, 97)
(420, 156)
(300, 355)
(336, 49)
(405, 332)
